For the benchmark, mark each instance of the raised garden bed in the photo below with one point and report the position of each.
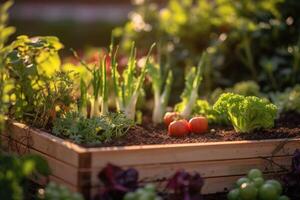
(220, 163)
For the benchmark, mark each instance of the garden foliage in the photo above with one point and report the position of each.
(91, 130)
(14, 172)
(246, 114)
(256, 40)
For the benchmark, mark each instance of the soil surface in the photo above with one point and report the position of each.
(287, 126)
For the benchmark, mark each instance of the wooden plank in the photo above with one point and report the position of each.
(141, 155)
(58, 148)
(207, 169)
(68, 173)
(211, 185)
(224, 184)
(218, 162)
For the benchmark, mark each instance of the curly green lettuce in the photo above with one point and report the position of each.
(246, 113)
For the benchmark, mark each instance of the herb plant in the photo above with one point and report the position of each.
(41, 90)
(91, 130)
(190, 93)
(246, 114)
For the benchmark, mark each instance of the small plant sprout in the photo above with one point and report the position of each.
(99, 105)
(161, 89)
(190, 93)
(83, 101)
(128, 85)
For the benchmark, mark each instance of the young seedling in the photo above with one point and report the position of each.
(83, 101)
(100, 96)
(128, 85)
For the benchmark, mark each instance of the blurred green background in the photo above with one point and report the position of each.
(246, 39)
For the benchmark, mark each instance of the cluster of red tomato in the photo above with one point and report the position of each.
(181, 127)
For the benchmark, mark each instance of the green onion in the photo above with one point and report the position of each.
(82, 107)
(128, 85)
(192, 84)
(161, 94)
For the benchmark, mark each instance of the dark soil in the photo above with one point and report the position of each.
(287, 126)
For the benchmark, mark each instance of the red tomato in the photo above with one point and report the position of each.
(179, 128)
(198, 125)
(170, 117)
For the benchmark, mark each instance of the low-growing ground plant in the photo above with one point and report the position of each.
(91, 130)
(41, 90)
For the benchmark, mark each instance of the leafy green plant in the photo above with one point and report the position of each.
(246, 34)
(246, 114)
(190, 93)
(204, 108)
(54, 191)
(289, 100)
(245, 88)
(41, 90)
(91, 130)
(127, 86)
(5, 83)
(15, 170)
(161, 90)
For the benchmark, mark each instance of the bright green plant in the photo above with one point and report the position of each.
(5, 82)
(41, 90)
(190, 93)
(204, 108)
(146, 193)
(246, 114)
(92, 130)
(161, 89)
(254, 187)
(14, 172)
(100, 90)
(246, 32)
(54, 191)
(127, 87)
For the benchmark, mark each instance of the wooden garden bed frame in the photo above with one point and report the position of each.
(220, 163)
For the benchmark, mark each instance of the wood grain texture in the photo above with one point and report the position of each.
(220, 163)
(43, 142)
